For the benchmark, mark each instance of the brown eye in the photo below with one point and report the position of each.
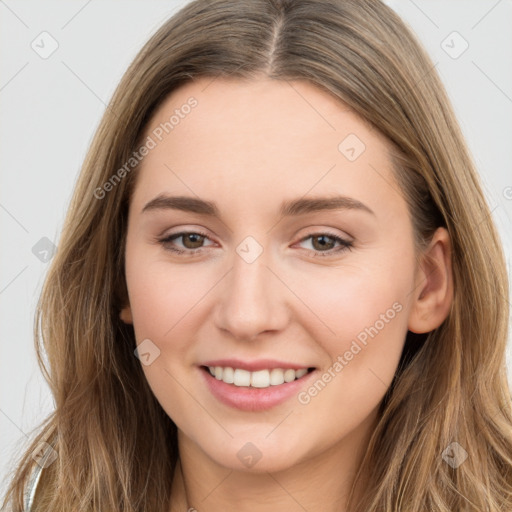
(323, 244)
(191, 242)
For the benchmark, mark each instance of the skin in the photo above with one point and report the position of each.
(248, 146)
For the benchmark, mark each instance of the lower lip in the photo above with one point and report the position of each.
(248, 398)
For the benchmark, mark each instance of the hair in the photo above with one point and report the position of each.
(450, 385)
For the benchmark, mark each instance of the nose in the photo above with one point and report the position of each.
(252, 300)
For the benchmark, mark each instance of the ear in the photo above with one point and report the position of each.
(433, 292)
(126, 315)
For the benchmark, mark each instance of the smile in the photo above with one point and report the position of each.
(257, 379)
(255, 391)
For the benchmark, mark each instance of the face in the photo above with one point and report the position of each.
(303, 258)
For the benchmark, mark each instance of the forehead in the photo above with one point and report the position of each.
(292, 110)
(255, 139)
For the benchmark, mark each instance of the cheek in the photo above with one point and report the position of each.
(165, 300)
(361, 319)
(161, 296)
(348, 301)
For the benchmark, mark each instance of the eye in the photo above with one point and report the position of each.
(323, 244)
(192, 242)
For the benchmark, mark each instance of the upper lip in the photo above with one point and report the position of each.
(253, 366)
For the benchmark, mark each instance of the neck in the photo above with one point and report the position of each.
(179, 499)
(325, 478)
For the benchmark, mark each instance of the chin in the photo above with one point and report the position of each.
(255, 456)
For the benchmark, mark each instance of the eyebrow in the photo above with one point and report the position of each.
(288, 208)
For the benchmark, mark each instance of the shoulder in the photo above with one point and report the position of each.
(31, 488)
(43, 456)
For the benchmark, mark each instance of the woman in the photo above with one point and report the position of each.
(207, 350)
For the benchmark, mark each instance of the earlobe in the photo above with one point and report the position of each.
(126, 315)
(433, 293)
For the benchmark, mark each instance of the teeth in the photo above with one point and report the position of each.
(228, 375)
(258, 379)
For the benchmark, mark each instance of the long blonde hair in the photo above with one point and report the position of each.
(451, 384)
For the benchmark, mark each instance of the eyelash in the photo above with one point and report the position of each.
(345, 244)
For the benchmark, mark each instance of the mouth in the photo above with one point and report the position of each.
(255, 391)
(261, 379)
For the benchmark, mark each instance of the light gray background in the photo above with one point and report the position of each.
(51, 106)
